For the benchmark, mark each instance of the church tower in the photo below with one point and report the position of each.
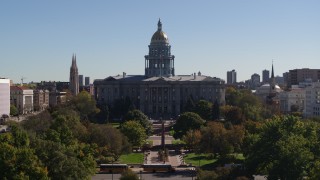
(272, 81)
(159, 62)
(272, 98)
(74, 77)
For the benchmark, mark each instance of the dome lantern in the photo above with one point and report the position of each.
(159, 36)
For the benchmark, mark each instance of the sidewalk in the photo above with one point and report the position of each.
(152, 158)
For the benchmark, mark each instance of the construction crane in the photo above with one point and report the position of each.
(22, 78)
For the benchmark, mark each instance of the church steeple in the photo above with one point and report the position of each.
(272, 80)
(74, 77)
(272, 73)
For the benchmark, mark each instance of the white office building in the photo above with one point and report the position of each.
(22, 98)
(4, 97)
(312, 105)
(293, 100)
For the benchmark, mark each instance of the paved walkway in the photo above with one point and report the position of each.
(152, 156)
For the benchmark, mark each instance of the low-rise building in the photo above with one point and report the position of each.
(40, 99)
(312, 104)
(22, 98)
(292, 101)
(57, 98)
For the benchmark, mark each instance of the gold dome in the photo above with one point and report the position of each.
(159, 35)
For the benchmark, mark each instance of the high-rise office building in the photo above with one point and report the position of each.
(231, 77)
(255, 80)
(265, 76)
(87, 81)
(297, 76)
(80, 80)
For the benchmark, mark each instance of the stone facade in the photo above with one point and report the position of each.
(312, 104)
(293, 100)
(40, 100)
(57, 98)
(159, 93)
(22, 98)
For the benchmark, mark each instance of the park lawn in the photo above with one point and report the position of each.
(239, 156)
(132, 158)
(115, 125)
(198, 159)
(178, 141)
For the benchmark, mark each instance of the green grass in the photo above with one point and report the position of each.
(206, 161)
(115, 125)
(239, 156)
(133, 158)
(196, 159)
(178, 141)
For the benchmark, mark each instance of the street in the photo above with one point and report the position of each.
(179, 174)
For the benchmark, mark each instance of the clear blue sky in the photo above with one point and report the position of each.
(38, 38)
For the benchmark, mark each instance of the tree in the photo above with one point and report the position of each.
(187, 121)
(294, 108)
(216, 110)
(13, 110)
(235, 137)
(70, 119)
(232, 96)
(203, 108)
(39, 123)
(85, 104)
(66, 162)
(18, 160)
(190, 105)
(104, 113)
(121, 107)
(110, 138)
(232, 114)
(214, 138)
(129, 175)
(192, 139)
(284, 148)
(135, 133)
(137, 115)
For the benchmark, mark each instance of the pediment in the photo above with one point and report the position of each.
(110, 78)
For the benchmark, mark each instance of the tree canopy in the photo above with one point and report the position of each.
(135, 132)
(17, 158)
(217, 139)
(13, 110)
(203, 108)
(85, 104)
(284, 148)
(137, 115)
(187, 121)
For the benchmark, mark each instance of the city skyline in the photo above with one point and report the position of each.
(39, 38)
